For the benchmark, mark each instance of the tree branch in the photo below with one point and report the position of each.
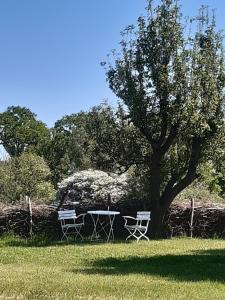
(171, 190)
(163, 131)
(173, 132)
(148, 136)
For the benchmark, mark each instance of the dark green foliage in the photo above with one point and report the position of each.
(101, 139)
(173, 87)
(20, 131)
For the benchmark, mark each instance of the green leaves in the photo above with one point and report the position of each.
(172, 84)
(102, 139)
(20, 131)
(25, 175)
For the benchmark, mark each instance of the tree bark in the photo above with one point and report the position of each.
(156, 226)
(160, 203)
(156, 209)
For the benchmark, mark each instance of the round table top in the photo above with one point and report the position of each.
(103, 212)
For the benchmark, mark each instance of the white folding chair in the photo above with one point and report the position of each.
(70, 223)
(138, 227)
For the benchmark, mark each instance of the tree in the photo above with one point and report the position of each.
(25, 175)
(172, 84)
(20, 131)
(100, 139)
(114, 142)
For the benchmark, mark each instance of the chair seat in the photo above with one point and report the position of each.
(139, 227)
(72, 225)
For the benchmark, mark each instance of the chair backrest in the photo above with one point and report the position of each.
(144, 215)
(66, 214)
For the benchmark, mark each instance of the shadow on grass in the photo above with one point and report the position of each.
(199, 266)
(36, 241)
(46, 241)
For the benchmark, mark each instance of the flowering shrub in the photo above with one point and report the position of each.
(93, 186)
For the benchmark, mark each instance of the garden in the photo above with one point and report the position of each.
(124, 201)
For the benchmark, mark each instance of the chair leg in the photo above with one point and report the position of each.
(137, 234)
(137, 238)
(78, 233)
(132, 234)
(143, 235)
(129, 236)
(64, 235)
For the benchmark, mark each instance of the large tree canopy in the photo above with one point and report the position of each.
(173, 86)
(19, 130)
(100, 139)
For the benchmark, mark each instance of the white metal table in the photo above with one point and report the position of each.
(105, 226)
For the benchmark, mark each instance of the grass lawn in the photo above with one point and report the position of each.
(167, 269)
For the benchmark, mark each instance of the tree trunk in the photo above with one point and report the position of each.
(156, 226)
(156, 209)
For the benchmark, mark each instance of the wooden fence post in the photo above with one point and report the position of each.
(28, 200)
(192, 216)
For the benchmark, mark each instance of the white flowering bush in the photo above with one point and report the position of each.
(93, 186)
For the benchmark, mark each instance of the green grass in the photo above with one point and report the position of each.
(167, 269)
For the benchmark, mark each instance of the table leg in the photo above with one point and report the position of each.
(111, 221)
(94, 233)
(103, 227)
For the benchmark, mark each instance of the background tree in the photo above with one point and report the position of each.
(20, 131)
(25, 175)
(66, 150)
(173, 87)
(100, 139)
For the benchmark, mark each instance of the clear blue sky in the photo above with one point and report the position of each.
(50, 50)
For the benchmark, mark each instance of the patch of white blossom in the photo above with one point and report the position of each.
(94, 184)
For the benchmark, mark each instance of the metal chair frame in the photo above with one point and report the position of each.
(73, 227)
(140, 225)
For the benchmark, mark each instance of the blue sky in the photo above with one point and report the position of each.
(51, 50)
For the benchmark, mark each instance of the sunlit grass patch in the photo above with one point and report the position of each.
(167, 269)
